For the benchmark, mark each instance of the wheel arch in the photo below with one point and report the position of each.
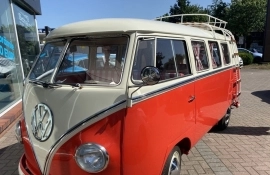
(184, 145)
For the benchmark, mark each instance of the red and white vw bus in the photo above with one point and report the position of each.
(126, 96)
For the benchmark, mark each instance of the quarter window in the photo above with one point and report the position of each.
(165, 59)
(172, 59)
(181, 57)
(226, 53)
(200, 55)
(214, 52)
(144, 57)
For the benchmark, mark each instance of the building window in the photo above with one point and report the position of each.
(27, 35)
(10, 68)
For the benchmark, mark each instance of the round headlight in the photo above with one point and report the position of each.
(18, 132)
(92, 158)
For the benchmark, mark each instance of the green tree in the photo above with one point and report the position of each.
(184, 7)
(219, 9)
(247, 16)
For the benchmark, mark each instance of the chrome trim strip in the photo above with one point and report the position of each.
(214, 72)
(149, 94)
(192, 79)
(67, 135)
(59, 61)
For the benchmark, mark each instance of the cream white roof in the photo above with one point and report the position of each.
(126, 25)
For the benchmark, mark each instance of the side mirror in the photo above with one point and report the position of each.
(150, 75)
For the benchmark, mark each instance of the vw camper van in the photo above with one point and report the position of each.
(169, 84)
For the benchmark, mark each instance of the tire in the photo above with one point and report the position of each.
(224, 122)
(173, 163)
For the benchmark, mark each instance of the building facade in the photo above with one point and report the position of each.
(19, 45)
(266, 50)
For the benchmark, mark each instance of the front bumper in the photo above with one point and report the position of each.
(22, 168)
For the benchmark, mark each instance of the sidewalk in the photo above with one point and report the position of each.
(10, 151)
(9, 117)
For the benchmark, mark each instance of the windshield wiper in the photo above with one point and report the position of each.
(45, 84)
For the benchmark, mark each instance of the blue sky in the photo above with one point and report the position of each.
(59, 12)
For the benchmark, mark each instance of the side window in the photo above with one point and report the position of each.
(200, 55)
(214, 53)
(226, 53)
(181, 58)
(144, 57)
(171, 58)
(165, 59)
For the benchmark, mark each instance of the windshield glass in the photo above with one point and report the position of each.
(93, 61)
(47, 60)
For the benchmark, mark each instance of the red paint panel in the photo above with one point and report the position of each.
(106, 132)
(213, 97)
(153, 126)
(139, 140)
(28, 160)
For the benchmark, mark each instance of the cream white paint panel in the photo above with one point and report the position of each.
(69, 106)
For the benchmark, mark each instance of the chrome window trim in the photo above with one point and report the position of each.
(204, 41)
(171, 38)
(60, 59)
(34, 64)
(69, 41)
(228, 52)
(219, 52)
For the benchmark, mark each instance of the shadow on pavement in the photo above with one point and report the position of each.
(264, 95)
(2, 150)
(243, 130)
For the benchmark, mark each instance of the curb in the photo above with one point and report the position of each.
(9, 117)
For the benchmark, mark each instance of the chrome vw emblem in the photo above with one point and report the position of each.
(42, 122)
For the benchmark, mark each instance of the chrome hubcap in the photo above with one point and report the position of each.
(175, 164)
(227, 119)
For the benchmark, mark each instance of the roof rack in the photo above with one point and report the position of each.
(209, 23)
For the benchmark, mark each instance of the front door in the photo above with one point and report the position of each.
(160, 115)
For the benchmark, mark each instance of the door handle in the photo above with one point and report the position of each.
(191, 98)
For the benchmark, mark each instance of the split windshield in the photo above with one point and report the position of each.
(47, 60)
(86, 61)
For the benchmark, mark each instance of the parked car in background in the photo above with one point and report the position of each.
(258, 49)
(257, 57)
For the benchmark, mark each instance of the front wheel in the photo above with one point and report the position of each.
(173, 162)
